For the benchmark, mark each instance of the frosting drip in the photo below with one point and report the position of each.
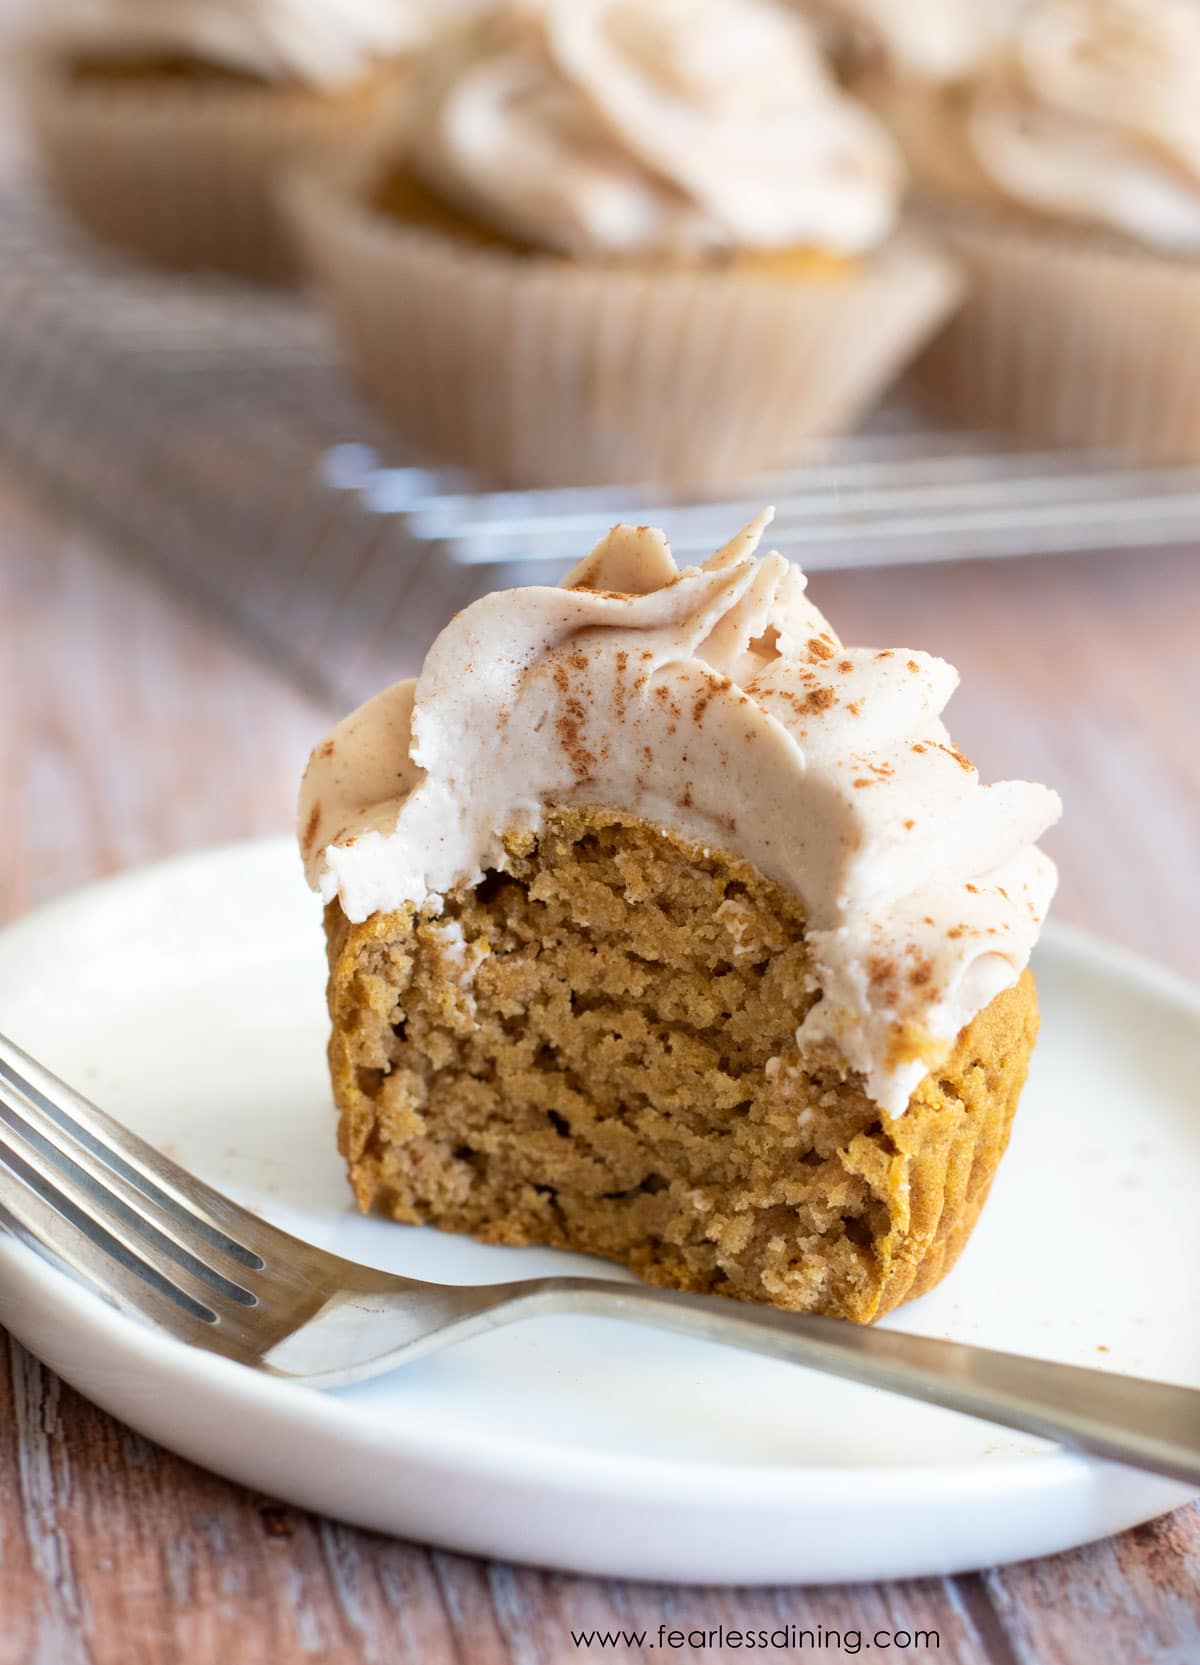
(717, 702)
(619, 127)
(1098, 117)
(311, 41)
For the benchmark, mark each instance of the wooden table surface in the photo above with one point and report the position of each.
(131, 727)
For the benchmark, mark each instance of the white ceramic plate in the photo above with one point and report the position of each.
(188, 1000)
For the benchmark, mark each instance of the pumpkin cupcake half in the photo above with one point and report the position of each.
(664, 926)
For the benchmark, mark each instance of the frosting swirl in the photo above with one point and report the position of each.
(1097, 118)
(626, 127)
(311, 41)
(715, 701)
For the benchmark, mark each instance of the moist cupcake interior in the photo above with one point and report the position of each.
(596, 1049)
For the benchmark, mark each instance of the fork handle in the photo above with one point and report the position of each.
(1149, 1425)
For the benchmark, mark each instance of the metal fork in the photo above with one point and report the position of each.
(159, 1244)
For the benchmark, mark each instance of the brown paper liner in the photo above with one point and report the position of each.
(185, 172)
(534, 370)
(1068, 338)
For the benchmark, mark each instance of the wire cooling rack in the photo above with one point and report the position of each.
(207, 429)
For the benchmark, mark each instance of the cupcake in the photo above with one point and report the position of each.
(626, 240)
(666, 928)
(1064, 171)
(165, 127)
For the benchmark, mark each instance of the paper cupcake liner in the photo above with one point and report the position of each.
(1068, 338)
(186, 173)
(533, 370)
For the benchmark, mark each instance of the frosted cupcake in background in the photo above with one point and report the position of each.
(1062, 162)
(626, 240)
(165, 125)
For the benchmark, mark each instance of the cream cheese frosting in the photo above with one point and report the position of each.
(312, 41)
(631, 127)
(718, 703)
(1098, 117)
